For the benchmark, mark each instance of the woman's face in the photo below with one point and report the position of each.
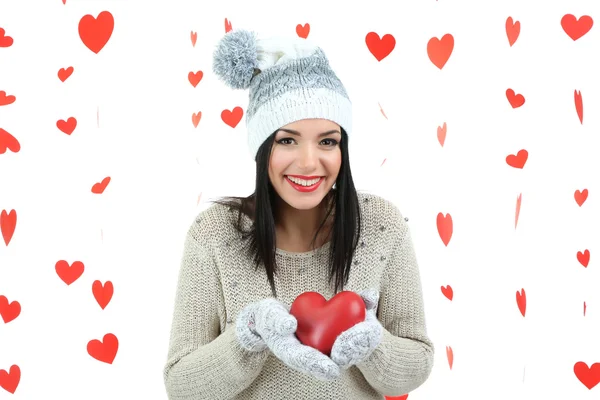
(308, 147)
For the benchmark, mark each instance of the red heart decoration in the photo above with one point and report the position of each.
(320, 321)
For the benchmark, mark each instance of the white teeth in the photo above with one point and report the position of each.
(303, 182)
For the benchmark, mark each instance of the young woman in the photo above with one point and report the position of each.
(305, 228)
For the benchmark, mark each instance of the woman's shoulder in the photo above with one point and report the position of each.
(378, 209)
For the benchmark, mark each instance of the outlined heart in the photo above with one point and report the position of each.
(303, 31)
(64, 74)
(522, 301)
(9, 381)
(576, 28)
(441, 134)
(448, 292)
(105, 350)
(579, 105)
(439, 50)
(518, 160)
(581, 196)
(9, 311)
(95, 32)
(5, 40)
(515, 100)
(195, 77)
(8, 224)
(380, 47)
(69, 274)
(102, 293)
(444, 227)
(6, 99)
(67, 126)
(513, 29)
(8, 142)
(589, 376)
(196, 118)
(98, 187)
(583, 258)
(233, 117)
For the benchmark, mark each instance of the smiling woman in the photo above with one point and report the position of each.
(305, 229)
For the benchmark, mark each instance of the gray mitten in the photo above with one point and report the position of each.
(269, 324)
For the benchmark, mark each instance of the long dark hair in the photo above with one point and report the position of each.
(342, 200)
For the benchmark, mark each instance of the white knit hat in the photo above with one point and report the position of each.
(289, 79)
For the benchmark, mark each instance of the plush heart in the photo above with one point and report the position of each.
(320, 321)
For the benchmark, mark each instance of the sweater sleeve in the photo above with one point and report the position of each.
(203, 362)
(403, 360)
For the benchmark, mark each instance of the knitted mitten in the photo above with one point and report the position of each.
(269, 324)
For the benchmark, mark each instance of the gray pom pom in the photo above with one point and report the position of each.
(235, 58)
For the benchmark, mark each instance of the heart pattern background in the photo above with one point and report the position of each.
(480, 122)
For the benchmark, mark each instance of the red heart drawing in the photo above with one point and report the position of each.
(193, 37)
(233, 117)
(8, 224)
(515, 100)
(584, 258)
(195, 77)
(227, 25)
(95, 32)
(441, 134)
(102, 293)
(522, 301)
(67, 126)
(380, 47)
(518, 209)
(69, 274)
(5, 41)
(320, 321)
(9, 311)
(579, 105)
(6, 99)
(9, 381)
(196, 118)
(439, 50)
(444, 227)
(519, 160)
(303, 31)
(589, 376)
(98, 187)
(580, 197)
(448, 292)
(450, 356)
(512, 30)
(8, 142)
(63, 73)
(104, 351)
(403, 397)
(576, 28)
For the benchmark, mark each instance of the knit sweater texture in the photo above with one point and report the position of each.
(217, 279)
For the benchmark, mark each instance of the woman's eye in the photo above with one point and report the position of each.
(332, 142)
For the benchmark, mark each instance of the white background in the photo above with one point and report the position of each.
(133, 103)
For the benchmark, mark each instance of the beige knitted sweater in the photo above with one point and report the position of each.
(217, 279)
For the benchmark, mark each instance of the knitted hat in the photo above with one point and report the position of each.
(289, 79)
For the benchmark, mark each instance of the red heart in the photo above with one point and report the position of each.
(380, 47)
(522, 301)
(320, 321)
(519, 160)
(445, 227)
(233, 117)
(105, 350)
(303, 31)
(574, 27)
(589, 376)
(98, 187)
(69, 274)
(102, 293)
(515, 100)
(95, 32)
(9, 381)
(439, 50)
(8, 142)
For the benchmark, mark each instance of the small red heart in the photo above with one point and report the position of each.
(320, 321)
